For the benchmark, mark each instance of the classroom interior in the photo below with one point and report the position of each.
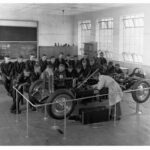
(120, 30)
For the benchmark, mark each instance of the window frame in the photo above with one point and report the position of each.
(104, 35)
(84, 28)
(132, 36)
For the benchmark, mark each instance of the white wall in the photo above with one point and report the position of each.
(51, 27)
(116, 13)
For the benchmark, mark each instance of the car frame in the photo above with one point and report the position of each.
(134, 83)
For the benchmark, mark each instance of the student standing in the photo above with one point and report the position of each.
(53, 63)
(85, 69)
(60, 60)
(24, 79)
(19, 65)
(30, 63)
(102, 60)
(7, 73)
(92, 65)
(43, 62)
(110, 68)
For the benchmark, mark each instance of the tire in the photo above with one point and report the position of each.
(142, 95)
(56, 111)
(37, 93)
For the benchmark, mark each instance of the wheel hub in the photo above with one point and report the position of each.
(39, 93)
(142, 92)
(59, 105)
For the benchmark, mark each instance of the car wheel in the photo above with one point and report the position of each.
(57, 109)
(37, 92)
(142, 94)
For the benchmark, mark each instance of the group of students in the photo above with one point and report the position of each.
(16, 74)
(19, 72)
(74, 68)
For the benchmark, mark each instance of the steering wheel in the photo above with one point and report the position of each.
(137, 72)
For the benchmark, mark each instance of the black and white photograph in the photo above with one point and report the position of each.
(74, 73)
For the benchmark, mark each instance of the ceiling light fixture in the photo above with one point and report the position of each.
(63, 13)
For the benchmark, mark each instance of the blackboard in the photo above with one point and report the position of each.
(11, 33)
(14, 49)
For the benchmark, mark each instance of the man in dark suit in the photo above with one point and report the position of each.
(102, 60)
(110, 68)
(7, 73)
(68, 60)
(70, 72)
(53, 63)
(78, 72)
(30, 63)
(18, 68)
(85, 58)
(43, 62)
(92, 65)
(85, 69)
(75, 62)
(118, 69)
(23, 79)
(60, 60)
(37, 72)
(19, 65)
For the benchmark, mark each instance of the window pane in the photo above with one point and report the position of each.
(128, 23)
(84, 35)
(132, 34)
(104, 25)
(83, 26)
(105, 34)
(139, 22)
(88, 26)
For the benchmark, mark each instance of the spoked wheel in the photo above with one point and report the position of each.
(38, 93)
(143, 92)
(60, 99)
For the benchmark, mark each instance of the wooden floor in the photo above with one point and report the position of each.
(133, 129)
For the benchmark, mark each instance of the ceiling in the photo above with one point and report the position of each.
(56, 8)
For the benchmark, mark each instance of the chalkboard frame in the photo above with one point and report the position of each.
(37, 26)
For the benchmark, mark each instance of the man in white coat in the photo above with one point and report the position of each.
(115, 93)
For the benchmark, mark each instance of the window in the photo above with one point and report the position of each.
(84, 35)
(104, 34)
(131, 34)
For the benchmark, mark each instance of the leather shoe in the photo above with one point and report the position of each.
(15, 111)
